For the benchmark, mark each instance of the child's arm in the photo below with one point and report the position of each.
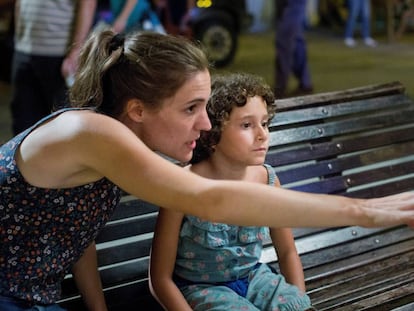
(163, 254)
(289, 260)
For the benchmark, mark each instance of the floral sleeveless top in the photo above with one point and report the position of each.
(43, 232)
(216, 252)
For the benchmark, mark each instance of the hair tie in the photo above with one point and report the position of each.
(116, 42)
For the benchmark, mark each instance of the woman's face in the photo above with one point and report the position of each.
(174, 129)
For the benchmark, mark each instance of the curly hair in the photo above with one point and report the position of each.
(227, 92)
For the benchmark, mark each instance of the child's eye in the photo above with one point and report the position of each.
(265, 124)
(246, 125)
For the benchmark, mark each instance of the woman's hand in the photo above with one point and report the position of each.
(391, 210)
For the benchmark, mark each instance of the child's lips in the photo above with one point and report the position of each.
(264, 149)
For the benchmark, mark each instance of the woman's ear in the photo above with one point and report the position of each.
(135, 110)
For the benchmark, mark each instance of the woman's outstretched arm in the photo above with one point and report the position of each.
(88, 146)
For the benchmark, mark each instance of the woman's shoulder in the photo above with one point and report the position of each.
(73, 130)
(85, 121)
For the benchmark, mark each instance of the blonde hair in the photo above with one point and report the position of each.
(144, 65)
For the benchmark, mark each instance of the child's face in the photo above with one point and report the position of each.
(245, 135)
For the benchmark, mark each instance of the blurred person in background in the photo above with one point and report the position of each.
(130, 15)
(404, 9)
(255, 8)
(6, 39)
(291, 51)
(362, 9)
(47, 42)
(176, 15)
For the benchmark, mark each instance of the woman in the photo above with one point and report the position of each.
(132, 98)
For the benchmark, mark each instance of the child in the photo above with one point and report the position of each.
(201, 265)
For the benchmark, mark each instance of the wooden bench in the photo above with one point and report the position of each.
(357, 142)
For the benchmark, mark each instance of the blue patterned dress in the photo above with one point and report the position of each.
(217, 268)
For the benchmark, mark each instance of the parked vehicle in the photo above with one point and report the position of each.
(217, 25)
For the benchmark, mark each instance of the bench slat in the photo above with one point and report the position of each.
(340, 184)
(124, 252)
(335, 244)
(354, 247)
(407, 307)
(357, 297)
(334, 148)
(380, 278)
(357, 93)
(127, 228)
(342, 127)
(315, 275)
(308, 115)
(348, 162)
(131, 207)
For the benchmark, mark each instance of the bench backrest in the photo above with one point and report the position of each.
(357, 142)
